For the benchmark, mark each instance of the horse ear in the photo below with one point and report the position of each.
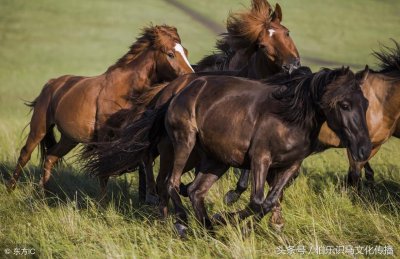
(365, 74)
(277, 14)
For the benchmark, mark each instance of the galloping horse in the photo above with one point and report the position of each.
(274, 125)
(220, 121)
(80, 106)
(259, 46)
(256, 44)
(382, 90)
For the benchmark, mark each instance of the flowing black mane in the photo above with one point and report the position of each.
(389, 60)
(299, 94)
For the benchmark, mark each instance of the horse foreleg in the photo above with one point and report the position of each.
(369, 172)
(259, 168)
(354, 174)
(243, 183)
(275, 193)
(276, 220)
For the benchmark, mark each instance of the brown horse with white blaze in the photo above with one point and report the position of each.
(81, 106)
(255, 42)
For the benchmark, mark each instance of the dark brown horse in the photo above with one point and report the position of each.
(382, 90)
(217, 122)
(255, 42)
(81, 106)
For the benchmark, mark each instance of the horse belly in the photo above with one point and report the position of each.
(227, 140)
(75, 113)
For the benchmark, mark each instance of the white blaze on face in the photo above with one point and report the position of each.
(178, 47)
(271, 32)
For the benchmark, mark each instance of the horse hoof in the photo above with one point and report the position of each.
(277, 227)
(218, 219)
(11, 185)
(231, 197)
(151, 200)
(181, 230)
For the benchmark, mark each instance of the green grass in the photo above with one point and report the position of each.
(44, 39)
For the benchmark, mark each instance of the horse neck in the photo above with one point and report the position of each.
(138, 74)
(239, 60)
(383, 93)
(261, 67)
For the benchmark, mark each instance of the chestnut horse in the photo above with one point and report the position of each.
(255, 42)
(81, 106)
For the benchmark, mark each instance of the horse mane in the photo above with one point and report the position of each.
(389, 60)
(243, 30)
(299, 94)
(157, 37)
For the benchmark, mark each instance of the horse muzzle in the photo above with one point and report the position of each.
(361, 151)
(292, 65)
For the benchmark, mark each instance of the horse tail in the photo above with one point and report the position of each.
(125, 153)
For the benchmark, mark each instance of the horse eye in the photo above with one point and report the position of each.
(261, 46)
(345, 106)
(288, 33)
(171, 55)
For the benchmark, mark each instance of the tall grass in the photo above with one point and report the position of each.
(43, 39)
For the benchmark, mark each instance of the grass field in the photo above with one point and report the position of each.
(43, 39)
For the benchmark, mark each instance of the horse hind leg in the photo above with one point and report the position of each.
(63, 147)
(37, 135)
(32, 142)
(183, 143)
(198, 190)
